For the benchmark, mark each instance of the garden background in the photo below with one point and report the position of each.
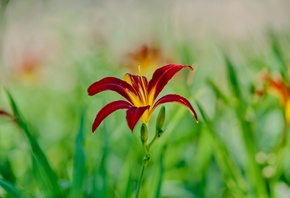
(52, 51)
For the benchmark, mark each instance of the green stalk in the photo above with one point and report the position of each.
(146, 148)
(144, 165)
(153, 140)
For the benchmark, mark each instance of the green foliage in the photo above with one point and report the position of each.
(10, 189)
(79, 168)
(41, 167)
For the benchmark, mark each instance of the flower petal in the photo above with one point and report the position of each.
(114, 84)
(176, 98)
(134, 114)
(107, 110)
(161, 77)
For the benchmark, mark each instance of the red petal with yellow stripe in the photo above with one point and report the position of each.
(161, 77)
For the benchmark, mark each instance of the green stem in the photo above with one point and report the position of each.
(157, 135)
(153, 140)
(145, 163)
(146, 148)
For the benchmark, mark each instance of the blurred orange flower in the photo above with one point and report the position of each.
(282, 90)
(28, 65)
(146, 57)
(140, 94)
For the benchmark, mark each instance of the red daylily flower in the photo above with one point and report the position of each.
(140, 94)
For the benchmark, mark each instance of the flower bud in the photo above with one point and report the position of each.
(144, 133)
(160, 121)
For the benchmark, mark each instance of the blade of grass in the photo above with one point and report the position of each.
(218, 92)
(254, 172)
(48, 178)
(161, 172)
(231, 171)
(125, 180)
(39, 178)
(128, 191)
(79, 166)
(101, 187)
(100, 180)
(233, 78)
(6, 172)
(277, 52)
(10, 189)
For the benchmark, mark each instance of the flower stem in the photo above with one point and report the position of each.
(153, 140)
(146, 148)
(145, 162)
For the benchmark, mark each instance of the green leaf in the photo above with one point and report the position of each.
(233, 78)
(218, 92)
(45, 175)
(101, 189)
(160, 173)
(125, 178)
(227, 165)
(129, 182)
(79, 166)
(10, 189)
(6, 171)
(277, 52)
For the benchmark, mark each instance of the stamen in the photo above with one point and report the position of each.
(139, 70)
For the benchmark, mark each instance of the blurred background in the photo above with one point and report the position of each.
(51, 51)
